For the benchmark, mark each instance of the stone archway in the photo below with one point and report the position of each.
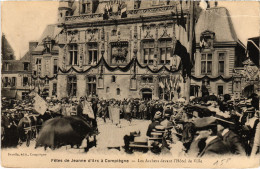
(147, 93)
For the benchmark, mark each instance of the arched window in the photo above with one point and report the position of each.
(118, 91)
(67, 13)
(61, 15)
(107, 90)
(113, 79)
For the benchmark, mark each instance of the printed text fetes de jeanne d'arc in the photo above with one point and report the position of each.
(127, 161)
(91, 160)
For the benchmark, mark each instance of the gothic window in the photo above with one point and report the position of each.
(165, 51)
(25, 81)
(13, 81)
(6, 82)
(55, 66)
(206, 63)
(113, 79)
(7, 65)
(118, 91)
(72, 86)
(221, 63)
(85, 7)
(113, 32)
(220, 89)
(92, 53)
(73, 54)
(148, 52)
(25, 66)
(91, 85)
(39, 66)
(137, 4)
(54, 89)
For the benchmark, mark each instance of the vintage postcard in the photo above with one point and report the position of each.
(130, 84)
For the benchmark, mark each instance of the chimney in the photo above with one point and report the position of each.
(32, 45)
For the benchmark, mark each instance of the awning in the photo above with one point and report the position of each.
(9, 94)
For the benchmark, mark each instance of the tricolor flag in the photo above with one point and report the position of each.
(161, 85)
(185, 35)
(123, 10)
(40, 105)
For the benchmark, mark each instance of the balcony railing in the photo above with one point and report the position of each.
(84, 17)
(131, 13)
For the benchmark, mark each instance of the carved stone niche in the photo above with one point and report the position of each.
(207, 39)
(72, 36)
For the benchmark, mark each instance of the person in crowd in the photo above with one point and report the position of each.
(166, 122)
(80, 108)
(127, 111)
(142, 110)
(230, 139)
(155, 122)
(207, 143)
(256, 142)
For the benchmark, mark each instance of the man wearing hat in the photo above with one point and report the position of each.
(207, 143)
(230, 139)
(166, 122)
(155, 122)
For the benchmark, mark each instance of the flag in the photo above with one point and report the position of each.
(182, 19)
(39, 104)
(161, 85)
(171, 83)
(184, 38)
(123, 11)
(167, 84)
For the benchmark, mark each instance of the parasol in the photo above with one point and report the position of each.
(59, 131)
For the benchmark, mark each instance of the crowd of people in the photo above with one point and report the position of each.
(206, 126)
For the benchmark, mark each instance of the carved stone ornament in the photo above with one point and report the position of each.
(103, 34)
(135, 32)
(148, 35)
(165, 34)
(73, 36)
(92, 33)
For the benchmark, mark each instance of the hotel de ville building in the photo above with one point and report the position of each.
(130, 49)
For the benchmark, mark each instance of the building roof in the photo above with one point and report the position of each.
(7, 50)
(26, 57)
(15, 66)
(216, 20)
(51, 31)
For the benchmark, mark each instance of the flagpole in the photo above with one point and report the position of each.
(188, 77)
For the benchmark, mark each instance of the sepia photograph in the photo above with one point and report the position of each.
(130, 84)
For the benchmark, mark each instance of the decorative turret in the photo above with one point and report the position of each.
(64, 10)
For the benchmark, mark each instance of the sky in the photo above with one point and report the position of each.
(24, 21)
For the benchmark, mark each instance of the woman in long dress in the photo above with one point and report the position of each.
(115, 111)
